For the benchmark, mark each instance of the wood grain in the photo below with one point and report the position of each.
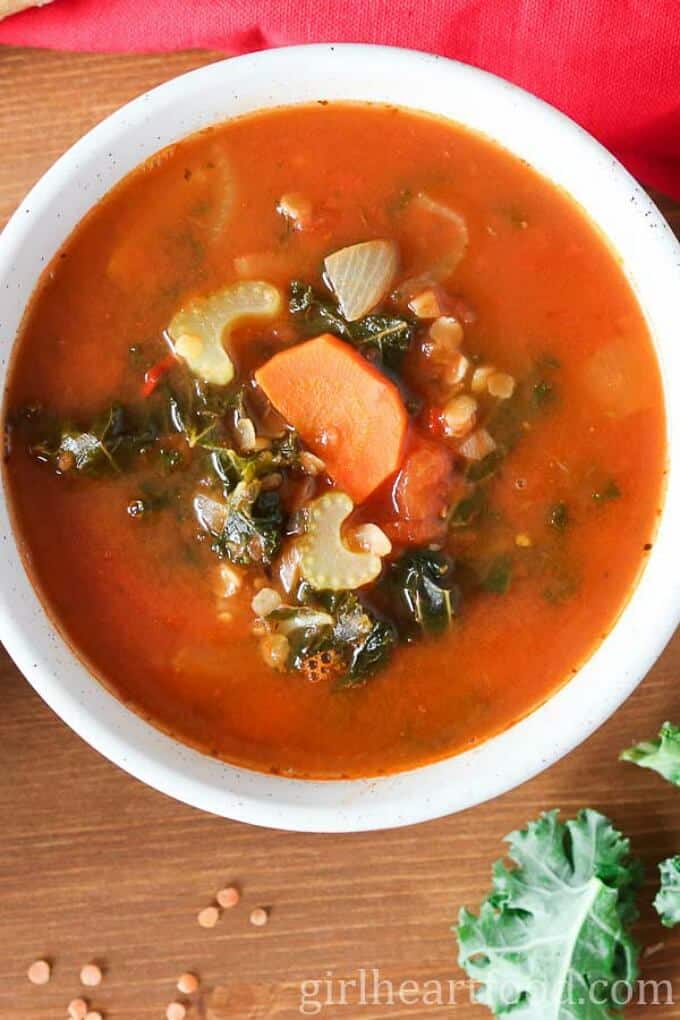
(93, 865)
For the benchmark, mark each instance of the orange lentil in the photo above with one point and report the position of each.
(187, 984)
(228, 897)
(91, 975)
(39, 973)
(259, 916)
(209, 917)
(176, 1011)
(94, 1014)
(77, 1009)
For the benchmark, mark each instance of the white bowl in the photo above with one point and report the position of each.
(651, 257)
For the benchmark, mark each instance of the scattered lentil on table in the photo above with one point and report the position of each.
(39, 973)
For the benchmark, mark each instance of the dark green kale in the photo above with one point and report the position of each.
(469, 509)
(419, 592)
(543, 392)
(361, 642)
(607, 493)
(478, 470)
(365, 641)
(109, 443)
(558, 516)
(498, 575)
(378, 336)
(201, 412)
(371, 653)
(252, 526)
(232, 467)
(171, 460)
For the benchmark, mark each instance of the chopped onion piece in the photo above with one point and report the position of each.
(246, 434)
(361, 275)
(289, 565)
(296, 208)
(292, 618)
(230, 581)
(478, 445)
(210, 513)
(265, 601)
(422, 208)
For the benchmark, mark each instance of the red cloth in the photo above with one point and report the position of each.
(613, 65)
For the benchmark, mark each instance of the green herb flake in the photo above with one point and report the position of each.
(383, 336)
(170, 459)
(499, 575)
(558, 516)
(607, 493)
(487, 466)
(469, 509)
(252, 528)
(543, 393)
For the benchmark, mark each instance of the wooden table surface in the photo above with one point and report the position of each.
(93, 865)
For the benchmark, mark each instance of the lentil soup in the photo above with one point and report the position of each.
(335, 440)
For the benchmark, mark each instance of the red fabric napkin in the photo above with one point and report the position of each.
(612, 65)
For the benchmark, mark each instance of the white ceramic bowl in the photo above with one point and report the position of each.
(558, 149)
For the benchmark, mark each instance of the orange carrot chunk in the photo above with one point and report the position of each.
(344, 409)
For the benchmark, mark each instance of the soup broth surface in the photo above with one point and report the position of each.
(506, 569)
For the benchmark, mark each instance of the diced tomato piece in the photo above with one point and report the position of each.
(153, 375)
(423, 490)
(434, 421)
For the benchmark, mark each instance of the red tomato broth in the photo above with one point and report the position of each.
(136, 599)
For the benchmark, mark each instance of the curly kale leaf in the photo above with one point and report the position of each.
(251, 527)
(662, 755)
(201, 412)
(365, 640)
(667, 901)
(383, 336)
(109, 443)
(552, 938)
(419, 592)
(338, 622)
(498, 575)
(232, 467)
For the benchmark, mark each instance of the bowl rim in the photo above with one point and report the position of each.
(574, 711)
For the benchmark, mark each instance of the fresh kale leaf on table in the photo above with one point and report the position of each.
(667, 901)
(662, 755)
(552, 937)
